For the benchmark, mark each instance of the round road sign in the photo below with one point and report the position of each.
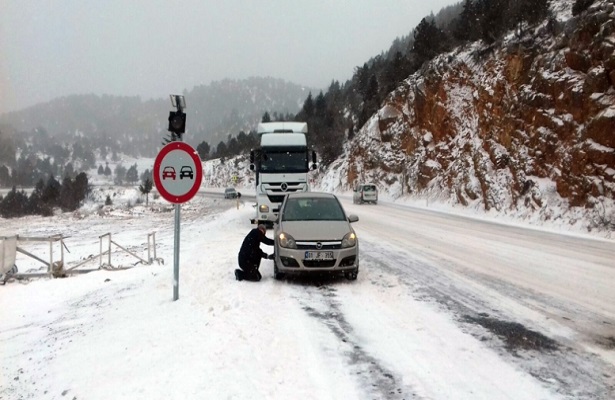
(177, 172)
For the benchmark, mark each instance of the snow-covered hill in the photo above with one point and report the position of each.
(523, 127)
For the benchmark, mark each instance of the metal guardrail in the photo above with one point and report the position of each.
(151, 244)
(57, 268)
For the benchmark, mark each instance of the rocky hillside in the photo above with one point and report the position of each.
(527, 124)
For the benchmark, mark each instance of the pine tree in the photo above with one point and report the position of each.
(66, 201)
(203, 150)
(69, 170)
(132, 175)
(145, 188)
(5, 176)
(429, 40)
(221, 150)
(81, 187)
(51, 192)
(14, 204)
(145, 175)
(308, 106)
(120, 174)
(466, 25)
(493, 19)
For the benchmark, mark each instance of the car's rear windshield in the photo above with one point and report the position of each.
(313, 209)
(369, 188)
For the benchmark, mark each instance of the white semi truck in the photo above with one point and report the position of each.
(281, 162)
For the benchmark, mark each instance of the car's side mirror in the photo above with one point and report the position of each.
(353, 218)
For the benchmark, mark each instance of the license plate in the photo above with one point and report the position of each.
(319, 255)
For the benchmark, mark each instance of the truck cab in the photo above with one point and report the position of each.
(281, 163)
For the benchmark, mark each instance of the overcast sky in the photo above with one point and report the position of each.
(151, 48)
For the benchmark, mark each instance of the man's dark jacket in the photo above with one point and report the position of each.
(250, 253)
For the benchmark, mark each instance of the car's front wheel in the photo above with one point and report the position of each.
(352, 274)
(277, 275)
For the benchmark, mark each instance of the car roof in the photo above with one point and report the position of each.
(310, 195)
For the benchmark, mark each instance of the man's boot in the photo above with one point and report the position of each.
(238, 275)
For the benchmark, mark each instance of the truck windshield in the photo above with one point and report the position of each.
(284, 161)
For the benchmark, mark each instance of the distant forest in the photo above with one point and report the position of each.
(46, 196)
(127, 125)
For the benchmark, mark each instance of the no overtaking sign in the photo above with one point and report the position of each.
(177, 172)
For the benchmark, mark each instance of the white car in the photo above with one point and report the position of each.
(313, 235)
(365, 193)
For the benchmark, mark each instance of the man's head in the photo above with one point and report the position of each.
(262, 228)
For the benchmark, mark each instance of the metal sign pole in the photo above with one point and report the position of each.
(176, 254)
(177, 231)
(177, 157)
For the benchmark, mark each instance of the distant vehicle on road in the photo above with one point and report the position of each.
(365, 193)
(230, 193)
(168, 172)
(186, 171)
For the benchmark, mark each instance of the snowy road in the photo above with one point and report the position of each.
(498, 276)
(445, 307)
(565, 278)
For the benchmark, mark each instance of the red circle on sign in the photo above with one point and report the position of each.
(183, 197)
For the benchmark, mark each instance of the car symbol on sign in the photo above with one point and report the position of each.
(186, 171)
(168, 172)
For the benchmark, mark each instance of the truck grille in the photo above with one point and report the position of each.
(275, 199)
(276, 194)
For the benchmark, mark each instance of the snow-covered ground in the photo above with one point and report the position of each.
(423, 320)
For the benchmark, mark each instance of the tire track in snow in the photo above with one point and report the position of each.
(378, 381)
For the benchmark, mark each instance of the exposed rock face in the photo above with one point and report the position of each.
(486, 125)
